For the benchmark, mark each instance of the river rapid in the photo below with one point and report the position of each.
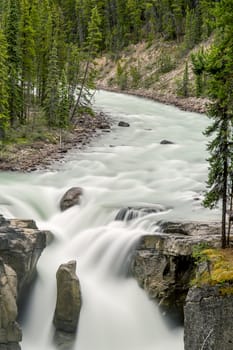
(127, 167)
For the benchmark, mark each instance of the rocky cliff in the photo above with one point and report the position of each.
(21, 245)
(208, 318)
(163, 263)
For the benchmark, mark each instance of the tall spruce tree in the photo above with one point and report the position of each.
(14, 60)
(52, 91)
(4, 88)
(27, 47)
(219, 67)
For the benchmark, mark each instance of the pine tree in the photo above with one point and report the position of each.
(27, 46)
(64, 105)
(219, 67)
(14, 61)
(198, 65)
(186, 81)
(4, 113)
(93, 44)
(52, 91)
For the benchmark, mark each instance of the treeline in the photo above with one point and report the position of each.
(129, 21)
(41, 64)
(48, 48)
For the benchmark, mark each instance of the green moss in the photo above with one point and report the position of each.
(219, 263)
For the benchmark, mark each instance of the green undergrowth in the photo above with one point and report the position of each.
(218, 268)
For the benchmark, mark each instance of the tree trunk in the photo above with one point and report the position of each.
(224, 199)
(76, 105)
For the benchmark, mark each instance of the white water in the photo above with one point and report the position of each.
(127, 167)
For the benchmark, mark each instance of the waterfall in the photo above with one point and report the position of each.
(127, 168)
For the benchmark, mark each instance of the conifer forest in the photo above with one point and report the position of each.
(48, 48)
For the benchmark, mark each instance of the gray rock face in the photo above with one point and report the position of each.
(10, 333)
(208, 319)
(163, 264)
(71, 198)
(21, 245)
(68, 298)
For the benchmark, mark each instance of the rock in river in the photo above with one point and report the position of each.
(71, 198)
(123, 124)
(68, 298)
(10, 332)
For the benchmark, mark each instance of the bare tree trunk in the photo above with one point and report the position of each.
(224, 200)
(80, 91)
(230, 217)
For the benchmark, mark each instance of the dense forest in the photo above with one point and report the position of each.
(48, 49)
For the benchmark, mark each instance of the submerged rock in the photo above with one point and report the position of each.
(123, 124)
(10, 332)
(71, 198)
(68, 304)
(166, 142)
(130, 213)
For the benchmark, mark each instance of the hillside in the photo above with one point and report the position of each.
(155, 71)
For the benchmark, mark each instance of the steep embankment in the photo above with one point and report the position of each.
(155, 71)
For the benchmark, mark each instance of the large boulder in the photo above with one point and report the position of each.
(68, 298)
(71, 198)
(10, 332)
(21, 245)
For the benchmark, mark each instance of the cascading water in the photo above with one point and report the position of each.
(125, 168)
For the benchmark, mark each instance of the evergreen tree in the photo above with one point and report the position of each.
(93, 43)
(186, 81)
(52, 91)
(27, 46)
(219, 67)
(4, 116)
(14, 61)
(64, 107)
(198, 65)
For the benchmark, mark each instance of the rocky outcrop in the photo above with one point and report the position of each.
(208, 318)
(10, 333)
(71, 198)
(68, 298)
(163, 263)
(21, 245)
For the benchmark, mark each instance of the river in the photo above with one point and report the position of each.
(127, 167)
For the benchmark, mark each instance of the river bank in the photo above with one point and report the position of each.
(191, 104)
(40, 154)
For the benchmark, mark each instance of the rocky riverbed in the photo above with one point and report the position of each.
(40, 154)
